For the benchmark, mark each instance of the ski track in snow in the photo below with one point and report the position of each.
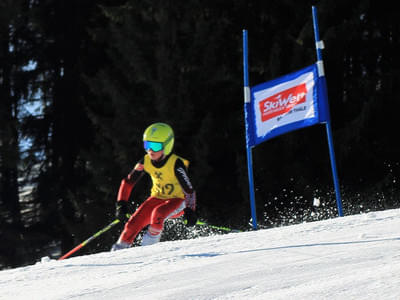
(353, 257)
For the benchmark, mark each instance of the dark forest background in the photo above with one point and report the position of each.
(81, 80)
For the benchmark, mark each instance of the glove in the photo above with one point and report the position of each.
(121, 211)
(190, 200)
(190, 217)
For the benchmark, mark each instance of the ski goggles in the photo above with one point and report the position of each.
(155, 146)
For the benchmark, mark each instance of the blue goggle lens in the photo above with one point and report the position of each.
(155, 146)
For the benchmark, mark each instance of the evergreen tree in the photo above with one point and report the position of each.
(9, 122)
(14, 81)
(61, 135)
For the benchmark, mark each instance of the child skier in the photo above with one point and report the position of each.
(172, 193)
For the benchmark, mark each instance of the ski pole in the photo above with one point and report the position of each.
(108, 227)
(202, 223)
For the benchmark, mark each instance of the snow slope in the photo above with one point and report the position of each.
(354, 257)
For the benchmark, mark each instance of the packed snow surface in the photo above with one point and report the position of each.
(352, 257)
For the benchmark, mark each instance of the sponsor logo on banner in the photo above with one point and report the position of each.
(282, 102)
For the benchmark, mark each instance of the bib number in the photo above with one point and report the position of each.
(167, 189)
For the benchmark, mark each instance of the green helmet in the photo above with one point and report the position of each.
(160, 133)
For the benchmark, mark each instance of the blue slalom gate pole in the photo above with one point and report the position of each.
(248, 147)
(321, 74)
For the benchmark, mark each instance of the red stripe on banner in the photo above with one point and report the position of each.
(282, 102)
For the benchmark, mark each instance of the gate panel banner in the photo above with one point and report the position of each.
(285, 104)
